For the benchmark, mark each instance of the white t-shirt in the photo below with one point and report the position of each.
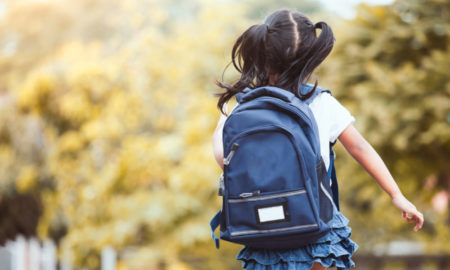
(331, 118)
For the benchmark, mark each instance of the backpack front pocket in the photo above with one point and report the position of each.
(265, 159)
(278, 213)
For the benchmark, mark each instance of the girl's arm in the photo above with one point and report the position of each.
(217, 138)
(369, 159)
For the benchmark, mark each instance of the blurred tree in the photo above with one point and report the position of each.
(390, 68)
(112, 129)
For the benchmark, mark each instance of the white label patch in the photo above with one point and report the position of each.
(272, 213)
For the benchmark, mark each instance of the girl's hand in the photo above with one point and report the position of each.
(409, 211)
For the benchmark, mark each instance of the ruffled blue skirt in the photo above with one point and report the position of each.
(334, 249)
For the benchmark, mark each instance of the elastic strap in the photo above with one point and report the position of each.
(214, 223)
(332, 176)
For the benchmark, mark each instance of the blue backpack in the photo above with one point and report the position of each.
(275, 187)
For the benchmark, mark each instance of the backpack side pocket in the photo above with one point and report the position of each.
(325, 197)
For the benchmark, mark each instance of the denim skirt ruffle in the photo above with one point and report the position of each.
(333, 249)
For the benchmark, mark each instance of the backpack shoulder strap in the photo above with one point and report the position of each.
(308, 87)
(248, 94)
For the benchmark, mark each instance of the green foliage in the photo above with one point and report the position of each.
(390, 68)
(112, 131)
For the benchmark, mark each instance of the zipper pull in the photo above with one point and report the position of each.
(250, 194)
(227, 160)
(256, 193)
(221, 185)
(245, 194)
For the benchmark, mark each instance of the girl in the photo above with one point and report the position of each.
(283, 51)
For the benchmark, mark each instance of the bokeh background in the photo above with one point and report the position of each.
(107, 111)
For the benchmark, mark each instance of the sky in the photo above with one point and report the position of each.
(345, 8)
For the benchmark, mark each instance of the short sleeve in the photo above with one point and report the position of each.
(339, 117)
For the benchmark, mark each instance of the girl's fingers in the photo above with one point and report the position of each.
(410, 218)
(418, 226)
(409, 212)
(418, 218)
(420, 221)
(414, 216)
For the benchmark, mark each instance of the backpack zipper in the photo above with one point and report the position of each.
(221, 191)
(250, 194)
(245, 232)
(227, 160)
(265, 197)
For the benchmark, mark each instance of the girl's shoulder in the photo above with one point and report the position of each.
(327, 101)
(331, 116)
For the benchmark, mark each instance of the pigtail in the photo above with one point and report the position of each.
(248, 57)
(319, 50)
(312, 51)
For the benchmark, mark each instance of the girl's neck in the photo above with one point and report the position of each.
(272, 79)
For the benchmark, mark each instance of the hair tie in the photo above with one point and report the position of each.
(268, 28)
(318, 25)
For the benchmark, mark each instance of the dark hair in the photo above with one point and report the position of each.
(285, 44)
